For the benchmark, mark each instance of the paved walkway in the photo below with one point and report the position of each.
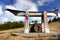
(36, 34)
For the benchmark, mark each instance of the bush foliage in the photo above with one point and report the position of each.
(11, 25)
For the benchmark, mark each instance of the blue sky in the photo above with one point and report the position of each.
(31, 5)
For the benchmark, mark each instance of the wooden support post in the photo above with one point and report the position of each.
(42, 21)
(26, 29)
(46, 27)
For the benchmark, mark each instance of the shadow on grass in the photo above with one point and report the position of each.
(58, 37)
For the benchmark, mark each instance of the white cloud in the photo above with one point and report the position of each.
(59, 15)
(9, 14)
(45, 0)
(42, 2)
(25, 5)
(33, 9)
(18, 18)
(28, 5)
(4, 19)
